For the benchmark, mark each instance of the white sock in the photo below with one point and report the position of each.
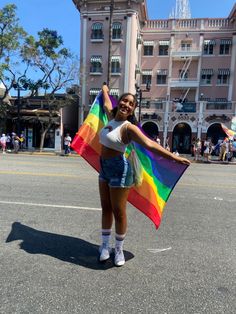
(120, 241)
(106, 236)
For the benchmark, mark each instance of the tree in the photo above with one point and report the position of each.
(43, 66)
(12, 37)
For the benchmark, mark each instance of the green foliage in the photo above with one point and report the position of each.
(40, 65)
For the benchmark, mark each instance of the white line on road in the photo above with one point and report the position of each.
(159, 250)
(49, 205)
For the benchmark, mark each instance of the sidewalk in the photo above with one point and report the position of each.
(44, 152)
(214, 159)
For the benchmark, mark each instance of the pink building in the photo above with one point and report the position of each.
(189, 65)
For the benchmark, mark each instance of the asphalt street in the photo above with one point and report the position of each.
(50, 234)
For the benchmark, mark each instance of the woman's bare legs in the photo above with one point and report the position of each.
(118, 197)
(107, 213)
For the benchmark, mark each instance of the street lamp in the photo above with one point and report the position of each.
(139, 93)
(17, 86)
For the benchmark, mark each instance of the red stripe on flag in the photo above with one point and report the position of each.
(86, 151)
(145, 207)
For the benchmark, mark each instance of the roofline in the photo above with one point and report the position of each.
(232, 12)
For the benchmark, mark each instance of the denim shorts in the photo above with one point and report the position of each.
(117, 172)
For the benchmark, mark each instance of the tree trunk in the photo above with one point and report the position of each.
(42, 138)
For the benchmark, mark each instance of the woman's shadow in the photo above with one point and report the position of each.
(68, 249)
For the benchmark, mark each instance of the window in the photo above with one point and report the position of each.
(96, 64)
(114, 92)
(115, 65)
(225, 46)
(163, 50)
(161, 77)
(146, 77)
(208, 47)
(206, 76)
(163, 47)
(223, 76)
(92, 94)
(206, 79)
(148, 48)
(186, 46)
(97, 31)
(116, 30)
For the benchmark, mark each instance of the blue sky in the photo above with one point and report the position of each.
(61, 15)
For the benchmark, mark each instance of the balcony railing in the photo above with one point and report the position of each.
(184, 82)
(189, 24)
(219, 106)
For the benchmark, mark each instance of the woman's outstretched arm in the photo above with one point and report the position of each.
(136, 135)
(107, 105)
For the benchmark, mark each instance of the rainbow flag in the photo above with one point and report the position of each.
(230, 133)
(160, 175)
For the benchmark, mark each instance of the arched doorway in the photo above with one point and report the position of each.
(215, 133)
(182, 138)
(151, 129)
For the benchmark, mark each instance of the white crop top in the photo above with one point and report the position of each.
(110, 135)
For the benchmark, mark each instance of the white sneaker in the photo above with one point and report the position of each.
(104, 253)
(119, 257)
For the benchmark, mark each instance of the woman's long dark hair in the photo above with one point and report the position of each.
(131, 118)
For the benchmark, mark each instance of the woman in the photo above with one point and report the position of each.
(116, 174)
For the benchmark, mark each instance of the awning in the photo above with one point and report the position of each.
(97, 26)
(209, 42)
(164, 42)
(115, 59)
(162, 72)
(96, 59)
(114, 92)
(207, 71)
(146, 72)
(226, 41)
(94, 91)
(224, 71)
(116, 25)
(148, 43)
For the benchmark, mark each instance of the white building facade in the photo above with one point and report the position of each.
(188, 63)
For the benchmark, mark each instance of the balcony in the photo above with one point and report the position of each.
(190, 52)
(184, 83)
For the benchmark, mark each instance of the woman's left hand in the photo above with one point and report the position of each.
(184, 161)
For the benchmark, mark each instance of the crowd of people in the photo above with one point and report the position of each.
(11, 142)
(225, 149)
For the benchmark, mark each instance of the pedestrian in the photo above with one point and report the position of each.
(197, 149)
(207, 149)
(116, 174)
(158, 140)
(67, 143)
(3, 142)
(234, 149)
(22, 141)
(9, 144)
(15, 142)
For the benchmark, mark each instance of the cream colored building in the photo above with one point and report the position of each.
(189, 64)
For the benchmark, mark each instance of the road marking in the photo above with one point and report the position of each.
(200, 185)
(218, 198)
(159, 250)
(49, 205)
(39, 174)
